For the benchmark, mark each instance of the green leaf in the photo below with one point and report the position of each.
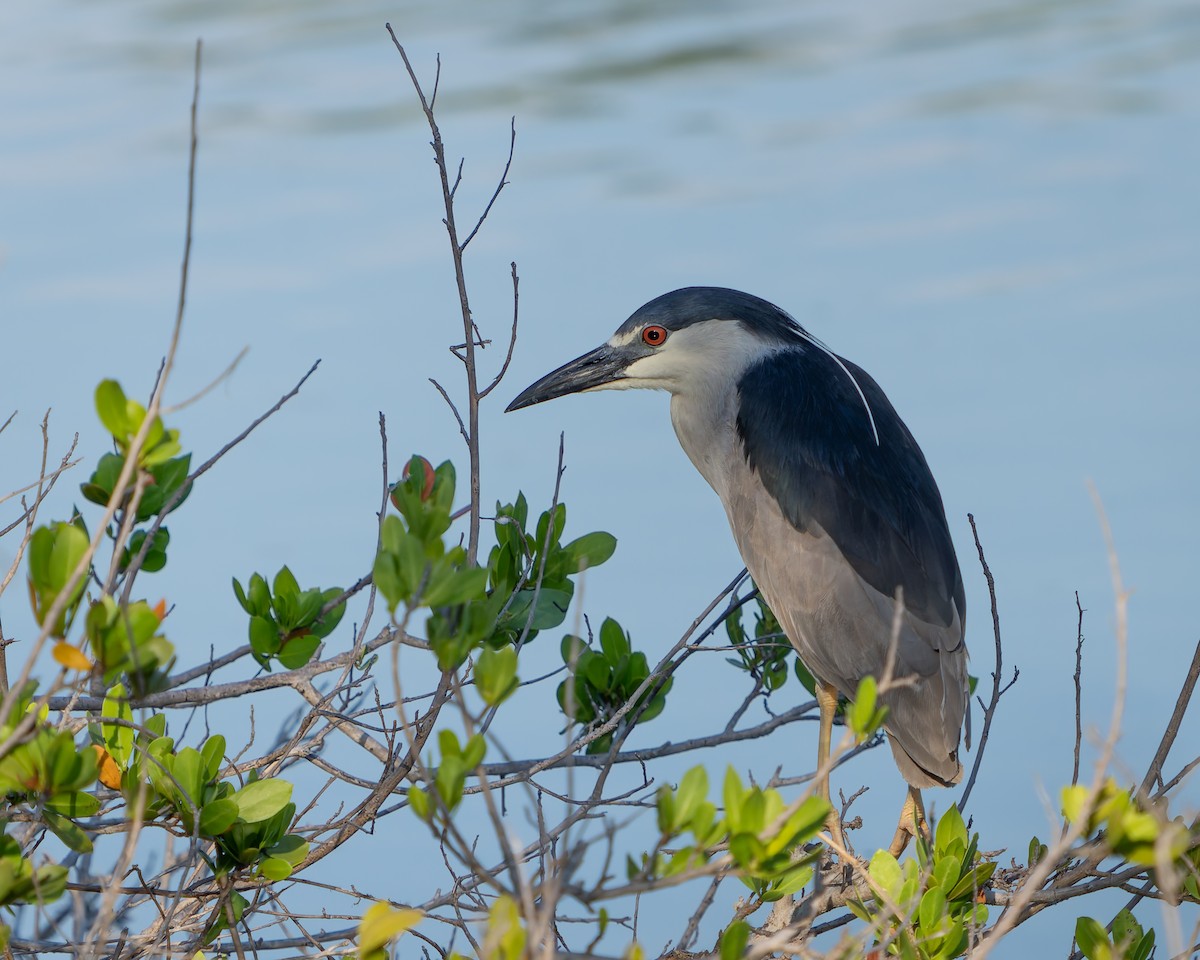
(457, 586)
(418, 800)
(186, 771)
(1093, 939)
(448, 744)
(613, 641)
(386, 574)
(275, 869)
(221, 915)
(297, 651)
(865, 715)
(791, 881)
(496, 674)
(285, 584)
(551, 609)
(212, 754)
(68, 549)
(74, 804)
(1073, 801)
(732, 797)
(665, 806)
(111, 407)
(259, 595)
(103, 480)
(590, 550)
(54, 553)
(950, 838)
(67, 831)
(931, 910)
(241, 597)
(264, 638)
(262, 799)
(328, 623)
(885, 872)
(734, 940)
(381, 924)
(974, 880)
(753, 818)
(693, 790)
(1143, 949)
(291, 848)
(1125, 929)
(474, 751)
(747, 850)
(217, 816)
(655, 707)
(118, 738)
(171, 474)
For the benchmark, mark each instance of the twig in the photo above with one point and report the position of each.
(462, 427)
(512, 337)
(512, 145)
(1023, 903)
(1078, 690)
(1168, 737)
(998, 691)
(220, 378)
(469, 333)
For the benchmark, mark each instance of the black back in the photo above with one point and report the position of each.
(805, 430)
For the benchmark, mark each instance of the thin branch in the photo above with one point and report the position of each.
(220, 378)
(668, 749)
(997, 690)
(1168, 738)
(469, 333)
(512, 337)
(1024, 902)
(512, 145)
(462, 427)
(1078, 691)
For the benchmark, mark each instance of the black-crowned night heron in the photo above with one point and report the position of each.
(831, 502)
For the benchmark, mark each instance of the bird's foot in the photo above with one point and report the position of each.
(912, 822)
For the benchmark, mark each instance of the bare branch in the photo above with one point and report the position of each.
(997, 690)
(512, 338)
(512, 145)
(1078, 691)
(217, 381)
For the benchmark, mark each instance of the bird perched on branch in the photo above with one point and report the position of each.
(831, 502)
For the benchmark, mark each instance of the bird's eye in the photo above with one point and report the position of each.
(654, 335)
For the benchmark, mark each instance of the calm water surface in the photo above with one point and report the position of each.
(991, 206)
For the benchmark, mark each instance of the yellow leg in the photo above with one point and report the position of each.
(827, 699)
(912, 819)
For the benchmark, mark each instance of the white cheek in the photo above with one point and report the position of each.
(657, 368)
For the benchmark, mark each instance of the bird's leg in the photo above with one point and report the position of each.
(827, 700)
(912, 819)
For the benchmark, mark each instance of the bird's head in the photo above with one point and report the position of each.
(685, 340)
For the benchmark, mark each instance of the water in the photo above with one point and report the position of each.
(993, 207)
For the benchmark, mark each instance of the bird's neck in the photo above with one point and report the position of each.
(705, 423)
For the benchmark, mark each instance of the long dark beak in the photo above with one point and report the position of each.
(595, 369)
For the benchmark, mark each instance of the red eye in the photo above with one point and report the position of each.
(654, 335)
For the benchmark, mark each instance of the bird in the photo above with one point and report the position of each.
(831, 503)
